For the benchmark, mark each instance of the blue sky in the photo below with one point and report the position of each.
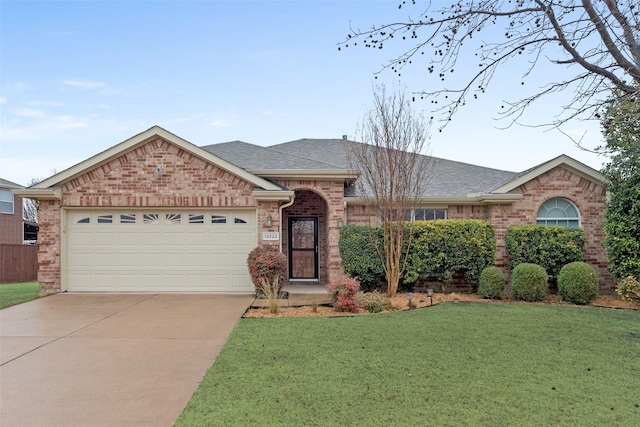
(79, 77)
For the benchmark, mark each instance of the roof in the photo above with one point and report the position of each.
(448, 181)
(8, 184)
(448, 178)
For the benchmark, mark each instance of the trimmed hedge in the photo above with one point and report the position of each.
(550, 247)
(529, 282)
(359, 256)
(439, 249)
(578, 283)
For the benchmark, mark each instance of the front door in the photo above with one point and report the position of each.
(303, 248)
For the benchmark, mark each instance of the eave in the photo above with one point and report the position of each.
(39, 193)
(470, 199)
(319, 174)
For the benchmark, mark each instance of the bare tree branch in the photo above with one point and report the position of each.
(597, 41)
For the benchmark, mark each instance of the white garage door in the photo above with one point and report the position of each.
(159, 250)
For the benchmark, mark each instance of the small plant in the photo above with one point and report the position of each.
(529, 282)
(270, 291)
(314, 306)
(374, 302)
(629, 289)
(578, 283)
(491, 283)
(344, 294)
(267, 263)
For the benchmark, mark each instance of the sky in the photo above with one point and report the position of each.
(77, 77)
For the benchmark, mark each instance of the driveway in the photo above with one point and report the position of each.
(109, 359)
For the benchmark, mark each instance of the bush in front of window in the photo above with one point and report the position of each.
(578, 283)
(551, 247)
(444, 247)
(529, 282)
(491, 283)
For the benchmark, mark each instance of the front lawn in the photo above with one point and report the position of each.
(451, 364)
(17, 293)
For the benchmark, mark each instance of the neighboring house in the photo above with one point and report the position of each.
(11, 223)
(157, 213)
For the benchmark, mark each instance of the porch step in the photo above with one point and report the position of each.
(307, 294)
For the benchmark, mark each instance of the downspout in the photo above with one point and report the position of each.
(286, 205)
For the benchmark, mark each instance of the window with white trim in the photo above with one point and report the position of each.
(559, 211)
(6, 202)
(425, 214)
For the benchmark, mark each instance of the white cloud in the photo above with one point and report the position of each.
(219, 123)
(31, 113)
(3, 100)
(84, 84)
(45, 104)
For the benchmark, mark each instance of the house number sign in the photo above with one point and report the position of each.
(271, 236)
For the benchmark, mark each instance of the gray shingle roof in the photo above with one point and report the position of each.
(447, 179)
(8, 184)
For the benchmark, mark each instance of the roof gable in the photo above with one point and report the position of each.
(563, 160)
(141, 139)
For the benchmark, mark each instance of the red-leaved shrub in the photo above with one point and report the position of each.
(267, 264)
(344, 293)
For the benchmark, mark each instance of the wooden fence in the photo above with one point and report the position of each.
(18, 263)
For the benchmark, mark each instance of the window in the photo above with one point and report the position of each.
(218, 219)
(559, 211)
(426, 214)
(105, 219)
(127, 218)
(196, 219)
(6, 202)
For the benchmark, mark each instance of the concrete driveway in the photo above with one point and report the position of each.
(109, 359)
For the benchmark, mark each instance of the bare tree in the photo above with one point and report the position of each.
(30, 206)
(393, 173)
(598, 41)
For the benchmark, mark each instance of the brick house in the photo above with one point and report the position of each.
(157, 213)
(11, 222)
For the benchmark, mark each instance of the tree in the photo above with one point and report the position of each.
(393, 173)
(621, 129)
(597, 41)
(30, 206)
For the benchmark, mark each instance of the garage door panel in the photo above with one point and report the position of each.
(157, 251)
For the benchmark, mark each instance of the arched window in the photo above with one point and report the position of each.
(559, 211)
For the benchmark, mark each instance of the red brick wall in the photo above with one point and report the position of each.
(49, 265)
(11, 225)
(589, 198)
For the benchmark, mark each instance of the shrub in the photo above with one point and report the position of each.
(578, 283)
(438, 250)
(443, 247)
(267, 264)
(374, 302)
(550, 247)
(491, 282)
(629, 289)
(529, 282)
(344, 294)
(359, 255)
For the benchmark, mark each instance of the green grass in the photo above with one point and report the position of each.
(17, 293)
(449, 365)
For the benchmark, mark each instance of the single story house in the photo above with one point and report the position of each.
(157, 213)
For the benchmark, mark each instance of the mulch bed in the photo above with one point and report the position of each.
(420, 300)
